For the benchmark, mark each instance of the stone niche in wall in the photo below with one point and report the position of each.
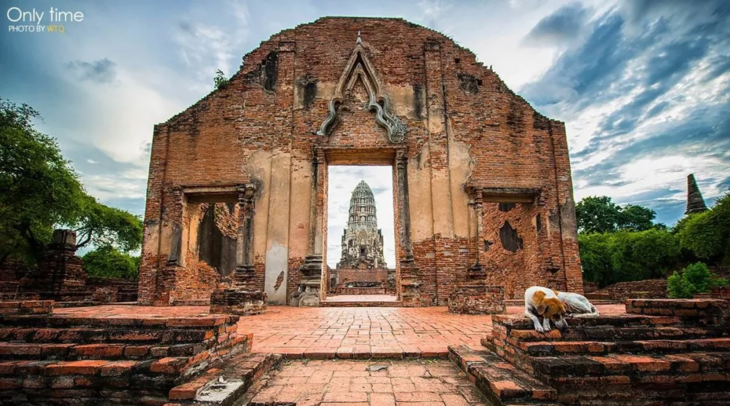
(216, 236)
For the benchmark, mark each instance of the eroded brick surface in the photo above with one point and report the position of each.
(466, 131)
(373, 383)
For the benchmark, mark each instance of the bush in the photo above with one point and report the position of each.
(628, 256)
(220, 80)
(707, 234)
(696, 278)
(109, 262)
(595, 258)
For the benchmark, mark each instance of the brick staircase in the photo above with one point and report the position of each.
(111, 360)
(661, 352)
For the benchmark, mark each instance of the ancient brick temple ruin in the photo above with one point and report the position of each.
(362, 240)
(482, 184)
(362, 268)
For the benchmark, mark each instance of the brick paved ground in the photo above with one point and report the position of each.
(362, 298)
(344, 332)
(352, 383)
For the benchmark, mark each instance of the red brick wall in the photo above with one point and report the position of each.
(438, 89)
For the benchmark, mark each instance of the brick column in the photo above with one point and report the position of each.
(438, 285)
(410, 282)
(242, 298)
(476, 271)
(309, 291)
(166, 279)
(474, 296)
(245, 274)
(566, 209)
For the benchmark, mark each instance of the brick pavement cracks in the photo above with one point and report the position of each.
(354, 383)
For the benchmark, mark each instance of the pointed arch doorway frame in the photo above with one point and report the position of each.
(393, 156)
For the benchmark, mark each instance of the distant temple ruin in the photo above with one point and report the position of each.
(695, 202)
(362, 241)
(362, 268)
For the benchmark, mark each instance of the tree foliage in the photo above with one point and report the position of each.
(707, 234)
(696, 278)
(598, 214)
(38, 187)
(39, 190)
(103, 225)
(628, 256)
(636, 218)
(108, 262)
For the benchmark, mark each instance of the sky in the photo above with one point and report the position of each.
(642, 85)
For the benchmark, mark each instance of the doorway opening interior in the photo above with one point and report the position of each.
(361, 250)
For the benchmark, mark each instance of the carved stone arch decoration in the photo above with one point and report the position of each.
(359, 67)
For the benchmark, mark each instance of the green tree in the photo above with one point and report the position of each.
(707, 234)
(597, 214)
(628, 256)
(595, 257)
(636, 218)
(39, 190)
(102, 225)
(38, 187)
(108, 262)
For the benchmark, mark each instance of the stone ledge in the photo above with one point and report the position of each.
(477, 298)
(697, 311)
(238, 301)
(501, 383)
(34, 307)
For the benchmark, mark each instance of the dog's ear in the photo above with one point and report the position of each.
(537, 301)
(541, 309)
(555, 291)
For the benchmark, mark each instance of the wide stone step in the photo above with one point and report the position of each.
(696, 378)
(225, 385)
(549, 348)
(108, 351)
(89, 381)
(607, 333)
(134, 335)
(628, 368)
(500, 382)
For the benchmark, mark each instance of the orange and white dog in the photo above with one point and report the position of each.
(544, 302)
(552, 305)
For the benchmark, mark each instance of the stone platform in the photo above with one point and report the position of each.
(238, 301)
(365, 383)
(128, 360)
(660, 352)
(477, 298)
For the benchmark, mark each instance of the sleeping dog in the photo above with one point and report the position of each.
(552, 305)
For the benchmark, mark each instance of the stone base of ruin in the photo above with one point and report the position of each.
(238, 301)
(410, 284)
(477, 298)
(308, 291)
(34, 307)
(134, 360)
(662, 351)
